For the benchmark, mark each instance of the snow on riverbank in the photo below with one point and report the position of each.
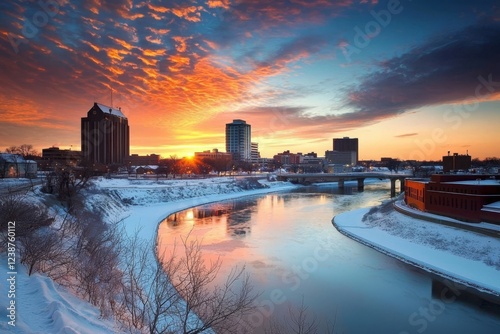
(464, 256)
(42, 306)
(149, 202)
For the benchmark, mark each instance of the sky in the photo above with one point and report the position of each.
(410, 79)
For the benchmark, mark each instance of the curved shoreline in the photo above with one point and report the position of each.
(145, 219)
(490, 293)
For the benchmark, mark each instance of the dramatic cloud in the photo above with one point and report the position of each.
(462, 67)
(181, 68)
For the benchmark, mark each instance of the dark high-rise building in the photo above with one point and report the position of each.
(238, 140)
(346, 144)
(105, 135)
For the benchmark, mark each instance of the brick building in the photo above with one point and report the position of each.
(471, 198)
(105, 135)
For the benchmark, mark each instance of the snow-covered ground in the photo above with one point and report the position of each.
(42, 306)
(151, 201)
(463, 256)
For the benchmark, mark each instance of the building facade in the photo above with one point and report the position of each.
(105, 135)
(287, 158)
(239, 139)
(214, 155)
(141, 160)
(456, 162)
(255, 152)
(341, 157)
(54, 155)
(14, 165)
(471, 198)
(347, 144)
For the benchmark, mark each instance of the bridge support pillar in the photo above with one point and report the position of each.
(393, 187)
(361, 184)
(341, 184)
(402, 185)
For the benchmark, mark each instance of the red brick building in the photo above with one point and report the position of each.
(471, 198)
(287, 158)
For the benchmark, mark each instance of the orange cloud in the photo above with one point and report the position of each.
(190, 13)
(159, 31)
(158, 9)
(181, 45)
(218, 4)
(122, 43)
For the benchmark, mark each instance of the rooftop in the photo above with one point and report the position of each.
(488, 182)
(110, 110)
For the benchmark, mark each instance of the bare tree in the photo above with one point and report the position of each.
(96, 251)
(43, 251)
(26, 215)
(66, 182)
(177, 294)
(27, 151)
(173, 165)
(299, 321)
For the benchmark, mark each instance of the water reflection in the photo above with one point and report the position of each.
(289, 246)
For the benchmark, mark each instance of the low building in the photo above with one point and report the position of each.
(54, 155)
(341, 157)
(287, 158)
(14, 165)
(255, 152)
(151, 169)
(335, 168)
(456, 162)
(311, 163)
(471, 198)
(139, 160)
(214, 154)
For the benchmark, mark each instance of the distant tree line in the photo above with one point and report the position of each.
(175, 166)
(25, 150)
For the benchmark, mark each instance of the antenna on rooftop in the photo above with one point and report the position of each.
(111, 97)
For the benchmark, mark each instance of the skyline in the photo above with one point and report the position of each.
(410, 79)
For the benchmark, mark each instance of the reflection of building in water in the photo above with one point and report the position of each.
(234, 214)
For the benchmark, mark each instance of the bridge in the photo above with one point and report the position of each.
(309, 178)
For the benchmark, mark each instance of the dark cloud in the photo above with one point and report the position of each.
(407, 135)
(449, 68)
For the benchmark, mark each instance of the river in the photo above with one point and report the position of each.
(295, 256)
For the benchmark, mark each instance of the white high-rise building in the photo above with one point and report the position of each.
(239, 139)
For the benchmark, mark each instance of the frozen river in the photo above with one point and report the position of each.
(293, 253)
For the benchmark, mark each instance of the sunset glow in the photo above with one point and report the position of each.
(410, 79)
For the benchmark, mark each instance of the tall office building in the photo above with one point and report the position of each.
(105, 135)
(346, 144)
(238, 140)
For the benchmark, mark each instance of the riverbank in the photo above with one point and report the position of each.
(149, 203)
(139, 205)
(463, 256)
